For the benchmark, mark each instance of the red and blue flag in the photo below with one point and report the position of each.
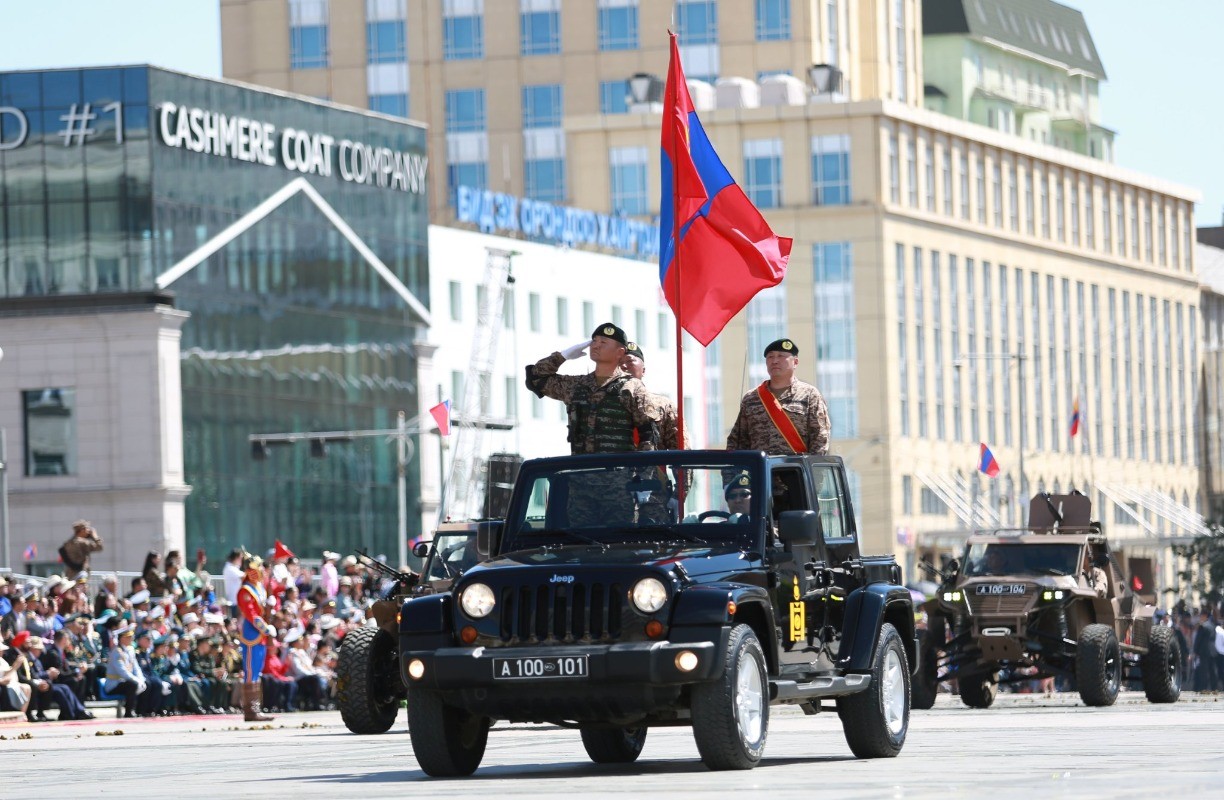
(708, 228)
(30, 553)
(986, 462)
(441, 415)
(1075, 418)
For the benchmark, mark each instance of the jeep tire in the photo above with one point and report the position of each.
(876, 719)
(1161, 667)
(1098, 665)
(368, 684)
(731, 713)
(978, 692)
(925, 685)
(447, 742)
(613, 745)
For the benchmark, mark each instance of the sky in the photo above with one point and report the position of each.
(1163, 61)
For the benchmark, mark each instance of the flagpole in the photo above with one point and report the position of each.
(676, 195)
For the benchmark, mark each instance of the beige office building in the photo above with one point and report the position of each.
(968, 263)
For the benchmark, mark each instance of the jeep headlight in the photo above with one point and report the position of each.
(477, 601)
(1052, 594)
(952, 596)
(649, 595)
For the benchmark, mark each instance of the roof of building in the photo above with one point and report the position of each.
(1209, 260)
(1044, 28)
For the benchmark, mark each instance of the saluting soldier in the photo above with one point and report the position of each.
(783, 415)
(609, 411)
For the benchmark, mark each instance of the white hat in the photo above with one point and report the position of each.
(140, 597)
(330, 555)
(213, 618)
(293, 635)
(157, 612)
(139, 615)
(328, 621)
(52, 582)
(190, 617)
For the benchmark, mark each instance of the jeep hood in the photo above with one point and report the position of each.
(697, 560)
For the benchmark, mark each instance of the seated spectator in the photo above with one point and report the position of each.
(279, 687)
(14, 695)
(61, 658)
(42, 683)
(301, 666)
(123, 673)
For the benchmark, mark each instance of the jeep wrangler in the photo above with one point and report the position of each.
(1042, 601)
(618, 595)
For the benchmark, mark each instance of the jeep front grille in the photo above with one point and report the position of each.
(561, 613)
(997, 604)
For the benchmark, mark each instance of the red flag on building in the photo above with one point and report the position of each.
(715, 249)
(441, 415)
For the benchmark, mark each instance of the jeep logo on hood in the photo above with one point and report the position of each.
(561, 579)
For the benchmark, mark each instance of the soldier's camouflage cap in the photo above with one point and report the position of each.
(610, 331)
(632, 349)
(782, 346)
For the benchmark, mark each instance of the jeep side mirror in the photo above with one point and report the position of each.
(953, 567)
(799, 527)
(421, 549)
(488, 537)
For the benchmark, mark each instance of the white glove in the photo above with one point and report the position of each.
(575, 351)
(271, 632)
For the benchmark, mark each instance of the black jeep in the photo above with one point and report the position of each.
(612, 600)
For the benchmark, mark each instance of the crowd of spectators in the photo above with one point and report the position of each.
(167, 643)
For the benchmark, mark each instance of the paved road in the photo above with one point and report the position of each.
(1027, 746)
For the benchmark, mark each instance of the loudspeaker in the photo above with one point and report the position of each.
(502, 471)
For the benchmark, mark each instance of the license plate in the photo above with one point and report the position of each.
(1001, 588)
(540, 668)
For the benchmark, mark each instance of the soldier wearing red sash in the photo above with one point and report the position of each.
(783, 415)
(255, 632)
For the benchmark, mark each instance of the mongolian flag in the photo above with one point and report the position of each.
(987, 463)
(715, 249)
(30, 553)
(1075, 418)
(441, 415)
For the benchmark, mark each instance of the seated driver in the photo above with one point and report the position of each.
(738, 495)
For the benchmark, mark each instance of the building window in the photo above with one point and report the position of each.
(964, 185)
(618, 316)
(456, 301)
(613, 97)
(588, 316)
(831, 170)
(980, 165)
(462, 29)
(50, 431)
(1043, 189)
(894, 170)
(639, 325)
(512, 397)
(1089, 219)
(773, 20)
(628, 168)
(1013, 198)
(766, 321)
(902, 358)
(308, 23)
(911, 169)
(833, 282)
(928, 172)
(395, 105)
(542, 106)
(533, 312)
(1075, 220)
(618, 24)
(544, 146)
(467, 143)
(899, 48)
(907, 494)
(1106, 221)
(667, 330)
(465, 111)
(544, 179)
(832, 34)
(931, 504)
(697, 21)
(996, 194)
(763, 172)
(946, 170)
(562, 316)
(539, 27)
(1060, 208)
(385, 42)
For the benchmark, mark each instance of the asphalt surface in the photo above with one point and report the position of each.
(1026, 746)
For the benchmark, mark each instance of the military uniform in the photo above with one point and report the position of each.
(613, 416)
(802, 403)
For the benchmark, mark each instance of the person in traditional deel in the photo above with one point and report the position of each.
(609, 411)
(783, 415)
(254, 633)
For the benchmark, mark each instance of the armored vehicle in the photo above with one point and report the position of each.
(620, 595)
(369, 689)
(1047, 600)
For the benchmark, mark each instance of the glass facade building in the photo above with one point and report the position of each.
(290, 229)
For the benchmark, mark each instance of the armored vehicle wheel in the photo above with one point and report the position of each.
(876, 720)
(1162, 667)
(978, 692)
(926, 681)
(447, 742)
(368, 684)
(613, 745)
(731, 714)
(1098, 665)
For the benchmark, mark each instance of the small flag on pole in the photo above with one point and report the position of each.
(987, 463)
(1075, 418)
(441, 415)
(30, 553)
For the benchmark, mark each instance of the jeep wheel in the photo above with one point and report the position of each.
(368, 684)
(977, 692)
(876, 719)
(1162, 667)
(926, 680)
(1098, 665)
(613, 745)
(447, 742)
(731, 714)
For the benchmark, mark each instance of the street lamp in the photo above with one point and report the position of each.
(825, 78)
(646, 92)
(1017, 357)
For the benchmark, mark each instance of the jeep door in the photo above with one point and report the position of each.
(791, 490)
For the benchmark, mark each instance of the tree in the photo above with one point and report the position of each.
(1204, 574)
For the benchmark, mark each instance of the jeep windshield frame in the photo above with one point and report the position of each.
(1021, 559)
(632, 498)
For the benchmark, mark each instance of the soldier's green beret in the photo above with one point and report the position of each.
(613, 332)
(782, 346)
(632, 349)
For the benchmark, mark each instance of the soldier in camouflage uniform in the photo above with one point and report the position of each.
(609, 412)
(634, 363)
(802, 403)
